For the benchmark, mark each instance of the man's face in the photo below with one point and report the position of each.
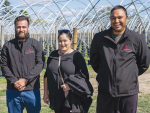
(21, 28)
(118, 21)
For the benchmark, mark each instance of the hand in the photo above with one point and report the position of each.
(66, 93)
(65, 87)
(22, 81)
(46, 98)
(18, 86)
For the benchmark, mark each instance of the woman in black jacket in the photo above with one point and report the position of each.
(67, 86)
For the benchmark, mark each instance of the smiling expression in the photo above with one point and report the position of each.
(118, 21)
(64, 43)
(21, 28)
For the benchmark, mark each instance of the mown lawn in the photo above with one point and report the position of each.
(143, 102)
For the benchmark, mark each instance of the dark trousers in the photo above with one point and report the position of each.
(63, 110)
(125, 104)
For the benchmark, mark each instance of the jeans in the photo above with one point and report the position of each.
(17, 100)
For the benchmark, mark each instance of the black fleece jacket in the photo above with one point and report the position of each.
(119, 65)
(24, 61)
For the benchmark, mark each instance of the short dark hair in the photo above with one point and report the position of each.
(119, 7)
(64, 31)
(20, 18)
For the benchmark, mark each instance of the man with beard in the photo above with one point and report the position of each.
(21, 62)
(119, 56)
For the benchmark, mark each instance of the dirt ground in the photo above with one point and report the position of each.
(144, 83)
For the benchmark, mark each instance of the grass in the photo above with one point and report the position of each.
(143, 101)
(3, 92)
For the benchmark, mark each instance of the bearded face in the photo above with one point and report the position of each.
(21, 29)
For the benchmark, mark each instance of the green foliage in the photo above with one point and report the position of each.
(25, 13)
(7, 9)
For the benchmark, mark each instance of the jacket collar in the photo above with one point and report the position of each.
(26, 38)
(125, 34)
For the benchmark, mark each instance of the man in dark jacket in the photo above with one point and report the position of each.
(119, 56)
(21, 63)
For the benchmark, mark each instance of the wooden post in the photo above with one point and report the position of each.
(56, 36)
(11, 36)
(31, 35)
(35, 36)
(83, 38)
(88, 37)
(47, 40)
(140, 29)
(53, 37)
(75, 38)
(8, 38)
(51, 40)
(43, 40)
(80, 35)
(91, 34)
(145, 32)
(99, 29)
(2, 36)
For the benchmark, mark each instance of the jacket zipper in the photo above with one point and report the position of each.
(114, 73)
(21, 59)
(22, 64)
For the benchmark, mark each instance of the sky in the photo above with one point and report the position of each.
(75, 5)
(103, 2)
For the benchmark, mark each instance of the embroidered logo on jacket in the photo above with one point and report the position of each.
(127, 49)
(29, 51)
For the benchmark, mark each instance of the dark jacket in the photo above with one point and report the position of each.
(22, 61)
(81, 92)
(80, 85)
(70, 65)
(119, 65)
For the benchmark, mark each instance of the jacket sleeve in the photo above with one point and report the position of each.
(94, 54)
(48, 61)
(39, 60)
(143, 56)
(5, 63)
(80, 64)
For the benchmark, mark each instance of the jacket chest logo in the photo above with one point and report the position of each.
(127, 49)
(29, 51)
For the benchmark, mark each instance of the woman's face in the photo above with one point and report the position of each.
(64, 43)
